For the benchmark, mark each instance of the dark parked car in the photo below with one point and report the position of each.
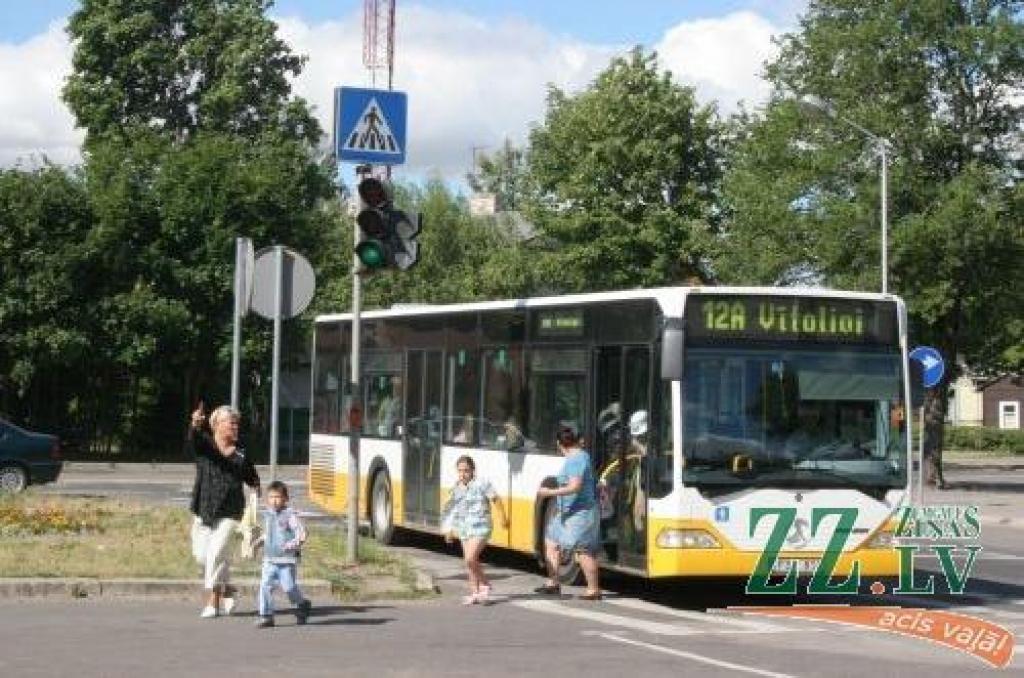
(27, 458)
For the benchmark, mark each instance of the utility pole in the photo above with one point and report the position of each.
(378, 54)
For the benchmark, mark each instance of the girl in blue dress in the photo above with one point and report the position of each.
(467, 515)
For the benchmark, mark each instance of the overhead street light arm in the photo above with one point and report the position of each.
(883, 146)
(809, 101)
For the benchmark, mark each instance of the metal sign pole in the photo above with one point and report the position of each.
(276, 367)
(920, 461)
(355, 413)
(236, 337)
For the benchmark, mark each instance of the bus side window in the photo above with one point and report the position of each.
(463, 397)
(558, 393)
(383, 405)
(328, 380)
(502, 419)
(382, 395)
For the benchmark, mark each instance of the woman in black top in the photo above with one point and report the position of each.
(218, 500)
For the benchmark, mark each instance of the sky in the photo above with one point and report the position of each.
(476, 71)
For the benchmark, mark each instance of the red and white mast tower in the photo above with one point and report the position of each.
(379, 39)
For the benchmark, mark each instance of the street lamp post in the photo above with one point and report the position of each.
(882, 147)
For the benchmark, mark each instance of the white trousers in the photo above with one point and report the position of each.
(212, 549)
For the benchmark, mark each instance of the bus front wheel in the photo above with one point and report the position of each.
(382, 516)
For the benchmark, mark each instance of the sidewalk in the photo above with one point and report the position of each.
(995, 484)
(954, 460)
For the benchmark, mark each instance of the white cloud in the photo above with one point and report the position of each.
(33, 119)
(722, 57)
(471, 82)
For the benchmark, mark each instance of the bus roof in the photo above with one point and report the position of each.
(669, 298)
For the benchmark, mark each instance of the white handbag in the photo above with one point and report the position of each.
(250, 528)
(200, 540)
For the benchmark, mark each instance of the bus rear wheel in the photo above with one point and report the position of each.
(569, 571)
(382, 517)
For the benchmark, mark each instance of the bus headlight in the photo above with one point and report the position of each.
(674, 538)
(883, 539)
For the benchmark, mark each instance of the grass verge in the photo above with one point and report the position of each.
(47, 536)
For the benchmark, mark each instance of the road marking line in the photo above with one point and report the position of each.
(923, 601)
(702, 617)
(658, 628)
(991, 612)
(694, 657)
(973, 610)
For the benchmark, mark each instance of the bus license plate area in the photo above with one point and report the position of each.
(804, 566)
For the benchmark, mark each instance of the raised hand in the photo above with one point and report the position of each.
(199, 415)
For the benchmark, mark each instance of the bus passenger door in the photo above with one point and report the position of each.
(623, 376)
(421, 449)
(607, 442)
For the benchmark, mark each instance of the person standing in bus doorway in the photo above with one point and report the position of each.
(218, 500)
(467, 514)
(635, 499)
(575, 527)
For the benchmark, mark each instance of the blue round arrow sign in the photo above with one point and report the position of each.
(931, 361)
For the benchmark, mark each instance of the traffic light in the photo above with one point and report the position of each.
(387, 235)
(372, 224)
(405, 250)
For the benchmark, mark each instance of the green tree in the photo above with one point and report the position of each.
(181, 66)
(624, 178)
(941, 79)
(44, 218)
(193, 138)
(166, 217)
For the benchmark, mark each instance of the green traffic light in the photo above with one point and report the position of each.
(371, 254)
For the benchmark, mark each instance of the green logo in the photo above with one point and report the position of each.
(927, 523)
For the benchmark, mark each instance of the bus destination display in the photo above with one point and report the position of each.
(560, 323)
(814, 319)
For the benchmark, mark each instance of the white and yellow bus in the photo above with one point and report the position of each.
(698, 404)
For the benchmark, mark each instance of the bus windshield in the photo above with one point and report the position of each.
(794, 417)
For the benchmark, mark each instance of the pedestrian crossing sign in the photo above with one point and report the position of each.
(369, 126)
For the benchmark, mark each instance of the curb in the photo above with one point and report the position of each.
(84, 587)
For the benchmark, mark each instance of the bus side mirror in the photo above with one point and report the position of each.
(916, 384)
(672, 349)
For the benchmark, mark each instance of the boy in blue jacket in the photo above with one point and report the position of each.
(283, 536)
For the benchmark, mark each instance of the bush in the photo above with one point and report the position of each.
(984, 439)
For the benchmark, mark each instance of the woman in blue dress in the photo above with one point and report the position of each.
(575, 526)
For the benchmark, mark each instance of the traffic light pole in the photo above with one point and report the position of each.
(355, 413)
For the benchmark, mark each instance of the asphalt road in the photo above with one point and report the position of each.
(642, 628)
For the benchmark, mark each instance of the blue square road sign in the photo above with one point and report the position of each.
(369, 125)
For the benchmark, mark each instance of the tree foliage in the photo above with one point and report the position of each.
(118, 276)
(623, 178)
(181, 66)
(942, 80)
